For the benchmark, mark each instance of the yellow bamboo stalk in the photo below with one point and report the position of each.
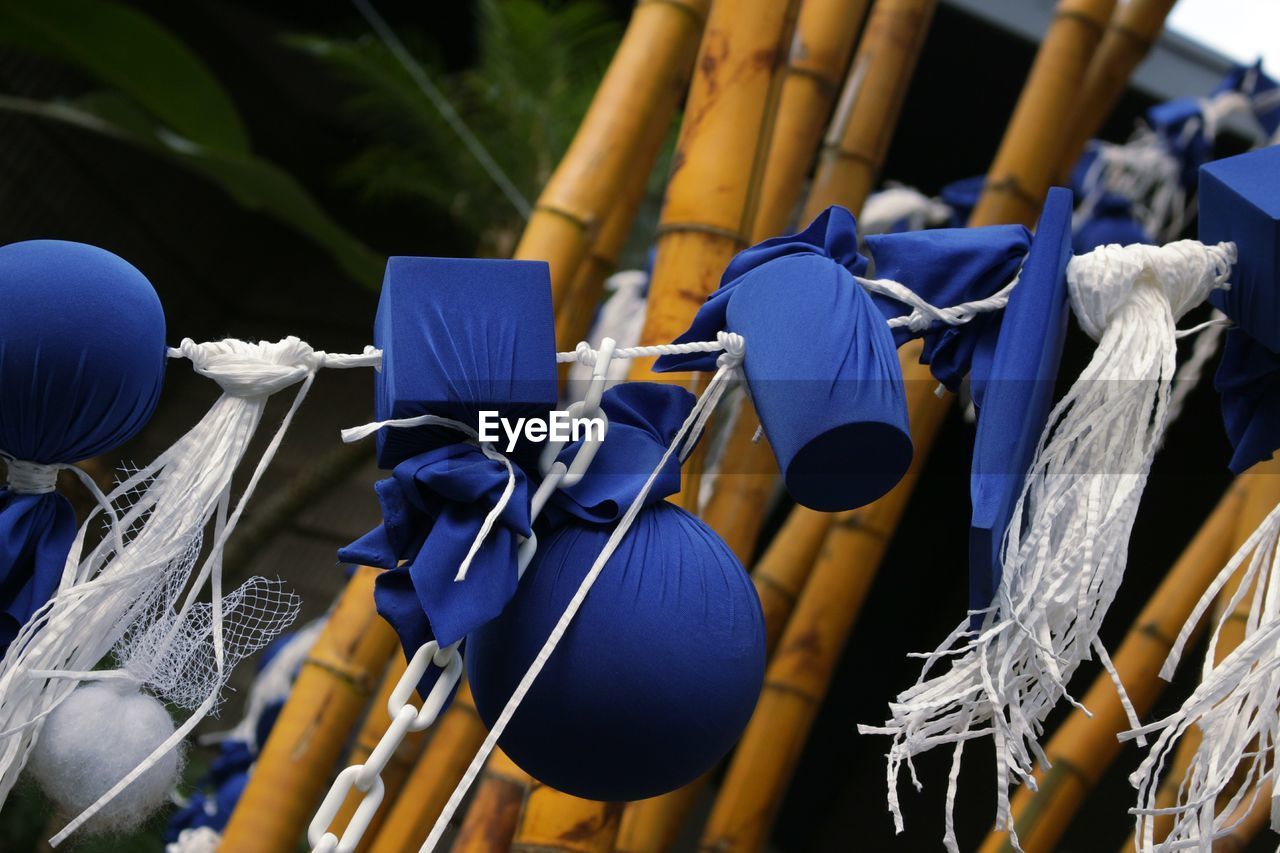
(332, 691)
(1029, 155)
(858, 138)
(854, 149)
(651, 62)
(711, 200)
(1262, 492)
(397, 769)
(795, 683)
(1082, 749)
(797, 677)
(719, 161)
(495, 807)
(573, 315)
(1132, 33)
(458, 734)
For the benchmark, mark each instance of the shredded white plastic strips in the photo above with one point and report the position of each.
(1066, 547)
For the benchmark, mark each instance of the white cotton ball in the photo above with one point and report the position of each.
(201, 840)
(93, 740)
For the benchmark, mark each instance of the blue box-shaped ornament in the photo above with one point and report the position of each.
(1240, 202)
(458, 336)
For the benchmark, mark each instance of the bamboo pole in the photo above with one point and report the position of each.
(573, 315)
(795, 683)
(1028, 157)
(491, 819)
(1084, 746)
(332, 691)
(458, 734)
(397, 769)
(797, 677)
(705, 220)
(858, 138)
(1261, 485)
(1133, 31)
(719, 162)
(651, 62)
(854, 149)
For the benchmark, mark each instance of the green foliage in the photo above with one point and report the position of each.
(161, 97)
(537, 69)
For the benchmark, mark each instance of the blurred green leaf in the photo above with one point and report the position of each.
(252, 181)
(129, 52)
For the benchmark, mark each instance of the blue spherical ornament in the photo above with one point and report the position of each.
(655, 678)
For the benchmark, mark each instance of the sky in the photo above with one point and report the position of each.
(1241, 29)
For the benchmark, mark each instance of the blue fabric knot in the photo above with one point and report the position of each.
(433, 506)
(947, 267)
(644, 418)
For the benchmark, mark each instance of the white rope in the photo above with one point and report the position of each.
(923, 315)
(1066, 545)
(729, 365)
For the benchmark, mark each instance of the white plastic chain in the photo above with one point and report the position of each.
(405, 718)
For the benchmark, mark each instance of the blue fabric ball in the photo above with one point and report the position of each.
(655, 678)
(82, 357)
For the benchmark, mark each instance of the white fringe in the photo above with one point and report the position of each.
(168, 504)
(1066, 545)
(1236, 707)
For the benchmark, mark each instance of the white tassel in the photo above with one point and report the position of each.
(134, 591)
(1236, 707)
(1066, 546)
(896, 203)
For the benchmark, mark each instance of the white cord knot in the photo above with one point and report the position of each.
(1184, 272)
(243, 369)
(585, 355)
(735, 348)
(30, 478)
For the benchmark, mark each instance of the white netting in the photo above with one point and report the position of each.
(173, 653)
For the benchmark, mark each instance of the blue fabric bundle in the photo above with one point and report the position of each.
(216, 794)
(1240, 202)
(658, 674)
(962, 197)
(82, 358)
(820, 363)
(1014, 391)
(946, 267)
(459, 336)
(655, 678)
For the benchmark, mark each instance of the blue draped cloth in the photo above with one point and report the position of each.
(82, 360)
(947, 267)
(644, 418)
(1016, 393)
(432, 508)
(962, 197)
(820, 363)
(1248, 381)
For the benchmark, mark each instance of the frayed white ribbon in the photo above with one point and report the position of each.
(1065, 549)
(1236, 707)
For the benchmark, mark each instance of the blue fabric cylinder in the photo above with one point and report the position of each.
(82, 358)
(655, 678)
(820, 363)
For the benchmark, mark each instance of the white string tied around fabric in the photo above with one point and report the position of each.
(1065, 549)
(1235, 707)
(135, 588)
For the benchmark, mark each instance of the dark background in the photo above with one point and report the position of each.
(222, 270)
